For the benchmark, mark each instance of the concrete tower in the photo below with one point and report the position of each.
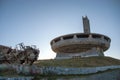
(86, 25)
(80, 44)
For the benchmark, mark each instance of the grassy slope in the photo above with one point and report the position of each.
(8, 73)
(80, 62)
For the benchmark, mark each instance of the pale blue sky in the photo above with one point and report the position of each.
(37, 22)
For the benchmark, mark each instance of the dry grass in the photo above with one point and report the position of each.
(80, 62)
(76, 62)
(8, 73)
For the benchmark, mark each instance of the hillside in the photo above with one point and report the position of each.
(74, 62)
(80, 62)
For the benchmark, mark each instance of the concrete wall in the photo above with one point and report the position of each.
(89, 53)
(68, 71)
(16, 78)
(56, 70)
(107, 75)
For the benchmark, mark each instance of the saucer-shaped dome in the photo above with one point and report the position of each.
(79, 42)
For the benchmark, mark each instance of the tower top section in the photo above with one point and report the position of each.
(86, 25)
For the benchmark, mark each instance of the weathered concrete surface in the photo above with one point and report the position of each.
(25, 69)
(89, 53)
(56, 70)
(20, 55)
(69, 71)
(72, 44)
(107, 75)
(16, 78)
(80, 45)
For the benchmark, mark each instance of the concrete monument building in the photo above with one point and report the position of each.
(80, 44)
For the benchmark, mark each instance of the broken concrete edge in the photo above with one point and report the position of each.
(25, 69)
(21, 54)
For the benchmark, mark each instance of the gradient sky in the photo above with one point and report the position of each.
(37, 22)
